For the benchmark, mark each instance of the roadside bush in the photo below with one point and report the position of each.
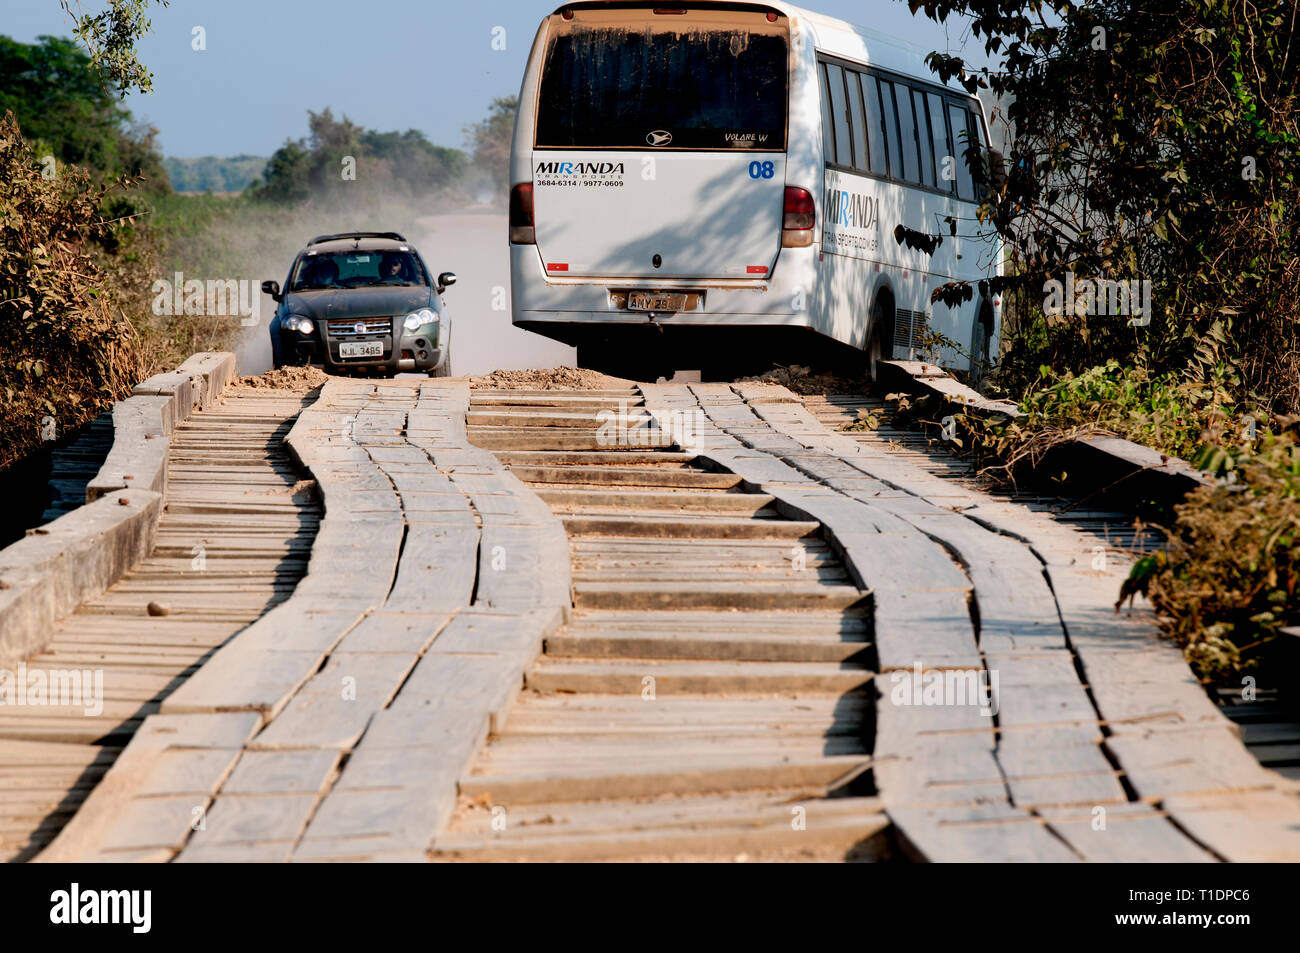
(1165, 411)
(1227, 581)
(68, 352)
(1152, 141)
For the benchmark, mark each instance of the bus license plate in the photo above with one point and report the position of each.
(362, 349)
(642, 301)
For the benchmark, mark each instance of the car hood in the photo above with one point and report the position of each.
(357, 302)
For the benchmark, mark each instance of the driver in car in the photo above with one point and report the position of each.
(321, 273)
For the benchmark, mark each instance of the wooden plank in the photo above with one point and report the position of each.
(431, 551)
(253, 819)
(739, 836)
(1123, 833)
(685, 677)
(593, 782)
(977, 834)
(1161, 764)
(1242, 827)
(281, 772)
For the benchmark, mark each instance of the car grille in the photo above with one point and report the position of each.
(346, 329)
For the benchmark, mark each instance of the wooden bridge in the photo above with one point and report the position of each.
(407, 620)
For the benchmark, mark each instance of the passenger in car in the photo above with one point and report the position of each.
(393, 268)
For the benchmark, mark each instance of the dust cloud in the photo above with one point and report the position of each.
(469, 241)
(473, 244)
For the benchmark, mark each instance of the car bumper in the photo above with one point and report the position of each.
(419, 350)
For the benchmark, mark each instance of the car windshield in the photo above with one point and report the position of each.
(357, 269)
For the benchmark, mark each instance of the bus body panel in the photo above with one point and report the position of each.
(615, 214)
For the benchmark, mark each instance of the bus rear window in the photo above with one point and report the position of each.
(712, 83)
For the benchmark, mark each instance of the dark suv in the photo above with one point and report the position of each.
(362, 300)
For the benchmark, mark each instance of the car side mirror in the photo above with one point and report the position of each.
(272, 288)
(446, 280)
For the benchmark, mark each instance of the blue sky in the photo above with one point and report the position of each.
(386, 64)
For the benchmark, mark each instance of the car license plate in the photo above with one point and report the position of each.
(644, 301)
(361, 349)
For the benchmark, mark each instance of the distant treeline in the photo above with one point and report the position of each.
(214, 174)
(67, 109)
(339, 158)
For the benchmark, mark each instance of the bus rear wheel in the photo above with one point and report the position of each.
(980, 347)
(880, 346)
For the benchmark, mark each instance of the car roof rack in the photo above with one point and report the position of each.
(344, 235)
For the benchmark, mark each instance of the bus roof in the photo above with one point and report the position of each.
(838, 38)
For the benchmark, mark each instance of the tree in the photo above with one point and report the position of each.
(1160, 142)
(60, 100)
(313, 166)
(489, 140)
(110, 37)
(286, 176)
(66, 110)
(413, 159)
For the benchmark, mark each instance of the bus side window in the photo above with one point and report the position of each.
(875, 124)
(943, 148)
(907, 131)
(923, 139)
(891, 124)
(828, 127)
(839, 109)
(962, 138)
(860, 137)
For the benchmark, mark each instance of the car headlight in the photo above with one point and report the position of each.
(300, 324)
(418, 319)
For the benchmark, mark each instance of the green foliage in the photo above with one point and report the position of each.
(865, 421)
(490, 140)
(383, 162)
(67, 352)
(287, 176)
(66, 110)
(1155, 141)
(60, 100)
(213, 174)
(1228, 579)
(110, 37)
(413, 160)
(1162, 410)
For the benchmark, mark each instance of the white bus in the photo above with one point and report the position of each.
(717, 182)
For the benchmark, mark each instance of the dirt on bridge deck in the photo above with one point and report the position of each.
(300, 380)
(554, 378)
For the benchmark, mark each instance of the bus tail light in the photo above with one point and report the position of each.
(522, 230)
(799, 219)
